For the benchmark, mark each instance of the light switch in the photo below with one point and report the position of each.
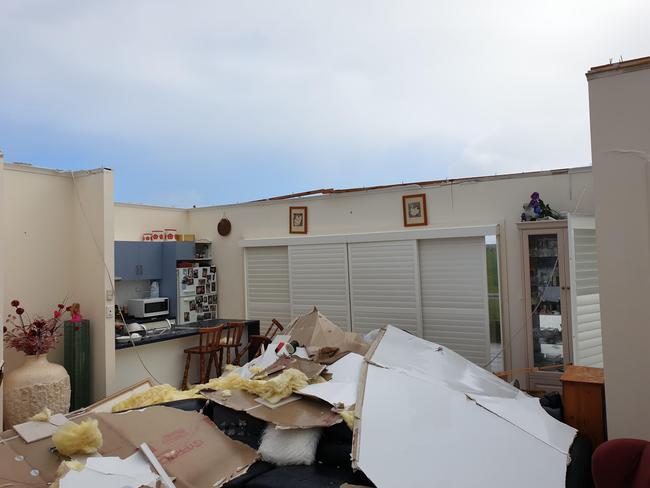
(110, 311)
(109, 295)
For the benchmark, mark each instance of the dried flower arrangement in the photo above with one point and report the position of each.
(32, 336)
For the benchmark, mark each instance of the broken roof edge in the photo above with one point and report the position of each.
(618, 68)
(343, 192)
(66, 173)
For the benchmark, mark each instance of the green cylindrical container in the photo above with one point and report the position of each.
(76, 347)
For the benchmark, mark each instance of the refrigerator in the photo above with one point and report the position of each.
(197, 294)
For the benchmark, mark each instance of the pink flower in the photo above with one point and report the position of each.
(57, 314)
(61, 306)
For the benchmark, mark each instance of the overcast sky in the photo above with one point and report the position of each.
(208, 102)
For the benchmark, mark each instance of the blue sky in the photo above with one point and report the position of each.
(215, 102)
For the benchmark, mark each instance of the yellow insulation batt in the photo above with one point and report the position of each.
(272, 390)
(83, 438)
(42, 416)
(348, 417)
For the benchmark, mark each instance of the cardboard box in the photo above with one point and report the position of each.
(189, 446)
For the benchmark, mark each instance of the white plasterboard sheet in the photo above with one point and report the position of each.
(437, 364)
(111, 472)
(526, 413)
(266, 359)
(342, 387)
(32, 430)
(415, 433)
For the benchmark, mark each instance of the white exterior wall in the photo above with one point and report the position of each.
(620, 116)
(2, 269)
(49, 253)
(496, 201)
(131, 221)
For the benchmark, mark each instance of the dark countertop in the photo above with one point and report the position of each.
(186, 330)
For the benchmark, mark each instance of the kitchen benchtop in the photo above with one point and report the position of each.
(186, 330)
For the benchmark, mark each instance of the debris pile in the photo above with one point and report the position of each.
(407, 412)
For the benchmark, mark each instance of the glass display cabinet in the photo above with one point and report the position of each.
(548, 302)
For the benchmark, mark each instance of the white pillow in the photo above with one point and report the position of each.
(286, 447)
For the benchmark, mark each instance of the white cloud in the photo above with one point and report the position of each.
(319, 86)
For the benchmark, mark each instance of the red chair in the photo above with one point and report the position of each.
(622, 463)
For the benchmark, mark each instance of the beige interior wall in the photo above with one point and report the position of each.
(131, 221)
(620, 117)
(93, 253)
(39, 230)
(49, 253)
(472, 203)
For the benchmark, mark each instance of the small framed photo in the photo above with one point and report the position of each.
(414, 208)
(297, 220)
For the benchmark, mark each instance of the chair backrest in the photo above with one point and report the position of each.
(210, 336)
(273, 329)
(232, 333)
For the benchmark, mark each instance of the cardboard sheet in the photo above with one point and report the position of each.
(316, 332)
(187, 444)
(422, 401)
(301, 414)
(15, 469)
(342, 388)
(310, 368)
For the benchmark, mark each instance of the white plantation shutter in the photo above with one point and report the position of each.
(267, 285)
(455, 313)
(585, 294)
(319, 277)
(384, 286)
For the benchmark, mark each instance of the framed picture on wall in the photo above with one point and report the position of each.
(414, 208)
(297, 220)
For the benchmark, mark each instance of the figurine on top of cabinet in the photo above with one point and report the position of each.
(536, 209)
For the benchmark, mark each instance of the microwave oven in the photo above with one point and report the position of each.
(143, 308)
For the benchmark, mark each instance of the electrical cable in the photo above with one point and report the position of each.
(109, 274)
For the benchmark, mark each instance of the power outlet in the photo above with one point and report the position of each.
(110, 311)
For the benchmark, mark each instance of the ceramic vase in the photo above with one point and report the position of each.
(35, 385)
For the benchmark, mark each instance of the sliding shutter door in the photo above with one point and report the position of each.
(384, 286)
(319, 277)
(585, 293)
(267, 285)
(455, 314)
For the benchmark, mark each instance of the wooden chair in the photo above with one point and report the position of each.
(230, 342)
(209, 345)
(255, 342)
